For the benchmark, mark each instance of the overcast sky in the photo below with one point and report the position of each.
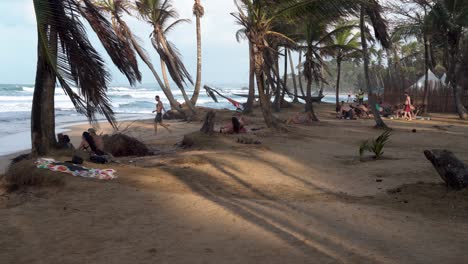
(225, 61)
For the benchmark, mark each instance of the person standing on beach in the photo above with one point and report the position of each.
(158, 118)
(360, 97)
(407, 110)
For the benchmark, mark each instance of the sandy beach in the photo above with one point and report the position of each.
(301, 196)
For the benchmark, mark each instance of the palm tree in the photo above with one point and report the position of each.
(256, 24)
(417, 25)
(158, 14)
(116, 8)
(66, 55)
(344, 45)
(198, 12)
(372, 10)
(450, 20)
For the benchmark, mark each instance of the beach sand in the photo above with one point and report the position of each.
(302, 196)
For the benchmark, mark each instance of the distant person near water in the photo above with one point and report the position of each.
(360, 97)
(407, 110)
(158, 118)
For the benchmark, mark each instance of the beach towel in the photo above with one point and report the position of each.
(75, 170)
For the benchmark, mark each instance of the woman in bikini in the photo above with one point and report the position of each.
(407, 110)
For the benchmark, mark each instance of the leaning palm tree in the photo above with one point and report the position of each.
(117, 8)
(158, 14)
(373, 10)
(198, 12)
(66, 55)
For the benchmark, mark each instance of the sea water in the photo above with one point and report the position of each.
(129, 103)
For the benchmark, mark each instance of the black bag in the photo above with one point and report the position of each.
(77, 160)
(98, 159)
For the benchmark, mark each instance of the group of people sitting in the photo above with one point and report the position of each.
(91, 142)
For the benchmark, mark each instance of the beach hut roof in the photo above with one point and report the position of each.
(420, 83)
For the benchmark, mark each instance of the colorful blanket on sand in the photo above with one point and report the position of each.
(75, 170)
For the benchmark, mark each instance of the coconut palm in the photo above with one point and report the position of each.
(417, 24)
(372, 10)
(256, 22)
(66, 55)
(198, 12)
(159, 14)
(450, 20)
(344, 45)
(117, 8)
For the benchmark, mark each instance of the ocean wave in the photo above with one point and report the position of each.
(138, 104)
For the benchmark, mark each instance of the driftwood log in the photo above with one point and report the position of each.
(208, 124)
(452, 170)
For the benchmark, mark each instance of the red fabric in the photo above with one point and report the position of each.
(407, 108)
(235, 103)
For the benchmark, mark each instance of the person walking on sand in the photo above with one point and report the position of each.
(407, 110)
(158, 118)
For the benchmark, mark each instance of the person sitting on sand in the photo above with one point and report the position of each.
(301, 118)
(346, 112)
(97, 139)
(87, 144)
(63, 141)
(236, 126)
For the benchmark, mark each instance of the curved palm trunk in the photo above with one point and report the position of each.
(309, 104)
(338, 67)
(379, 123)
(43, 111)
(184, 94)
(250, 100)
(299, 73)
(265, 103)
(196, 90)
(167, 92)
(295, 100)
(162, 40)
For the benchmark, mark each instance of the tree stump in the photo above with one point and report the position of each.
(208, 124)
(452, 170)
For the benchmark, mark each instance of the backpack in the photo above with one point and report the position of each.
(98, 159)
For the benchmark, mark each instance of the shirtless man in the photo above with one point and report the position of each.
(158, 119)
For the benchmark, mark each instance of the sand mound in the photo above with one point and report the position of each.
(24, 173)
(120, 145)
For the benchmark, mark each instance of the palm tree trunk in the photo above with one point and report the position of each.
(184, 94)
(251, 99)
(309, 104)
(163, 41)
(43, 111)
(299, 73)
(277, 101)
(453, 57)
(379, 123)
(196, 90)
(167, 92)
(338, 76)
(426, 70)
(265, 103)
(291, 64)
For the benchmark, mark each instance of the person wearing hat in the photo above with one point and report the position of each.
(97, 139)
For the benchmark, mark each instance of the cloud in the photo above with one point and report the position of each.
(224, 60)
